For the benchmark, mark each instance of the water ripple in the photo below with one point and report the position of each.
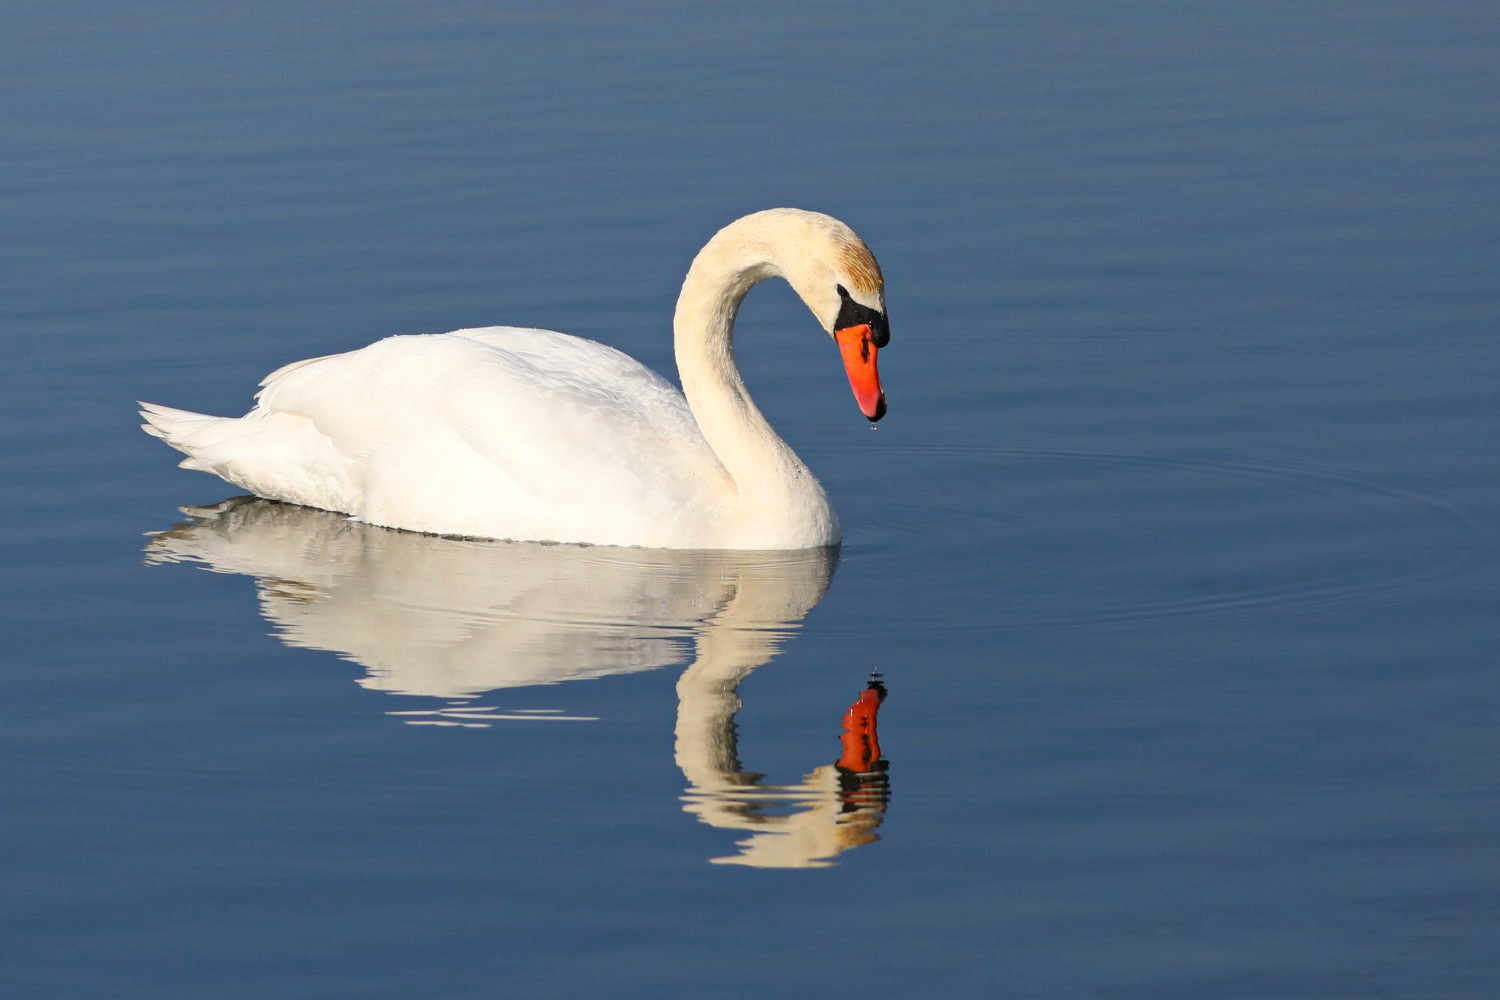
(1078, 538)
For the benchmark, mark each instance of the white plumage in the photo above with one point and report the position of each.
(505, 432)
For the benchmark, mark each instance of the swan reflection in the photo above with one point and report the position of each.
(454, 618)
(835, 808)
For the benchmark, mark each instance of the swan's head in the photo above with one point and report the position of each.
(837, 276)
(824, 262)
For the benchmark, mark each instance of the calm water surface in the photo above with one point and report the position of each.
(1177, 552)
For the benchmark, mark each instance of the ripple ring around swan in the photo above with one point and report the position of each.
(940, 537)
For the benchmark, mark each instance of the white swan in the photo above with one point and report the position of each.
(524, 434)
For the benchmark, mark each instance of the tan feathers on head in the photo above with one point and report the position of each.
(859, 264)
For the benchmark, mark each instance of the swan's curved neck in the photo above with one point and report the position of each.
(778, 496)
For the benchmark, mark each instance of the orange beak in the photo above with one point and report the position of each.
(859, 352)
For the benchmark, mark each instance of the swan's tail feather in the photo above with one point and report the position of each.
(278, 455)
(190, 433)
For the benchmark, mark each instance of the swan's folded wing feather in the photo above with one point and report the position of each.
(295, 365)
(591, 435)
(506, 432)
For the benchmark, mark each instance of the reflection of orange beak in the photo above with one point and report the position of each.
(861, 741)
(859, 361)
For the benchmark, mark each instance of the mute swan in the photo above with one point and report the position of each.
(512, 433)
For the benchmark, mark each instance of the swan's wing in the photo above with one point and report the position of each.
(563, 354)
(507, 432)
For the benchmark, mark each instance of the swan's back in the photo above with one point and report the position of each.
(494, 432)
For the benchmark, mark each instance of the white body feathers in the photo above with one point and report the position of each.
(504, 432)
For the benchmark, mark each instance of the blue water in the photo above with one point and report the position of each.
(1178, 551)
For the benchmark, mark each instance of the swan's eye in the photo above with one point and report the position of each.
(852, 313)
